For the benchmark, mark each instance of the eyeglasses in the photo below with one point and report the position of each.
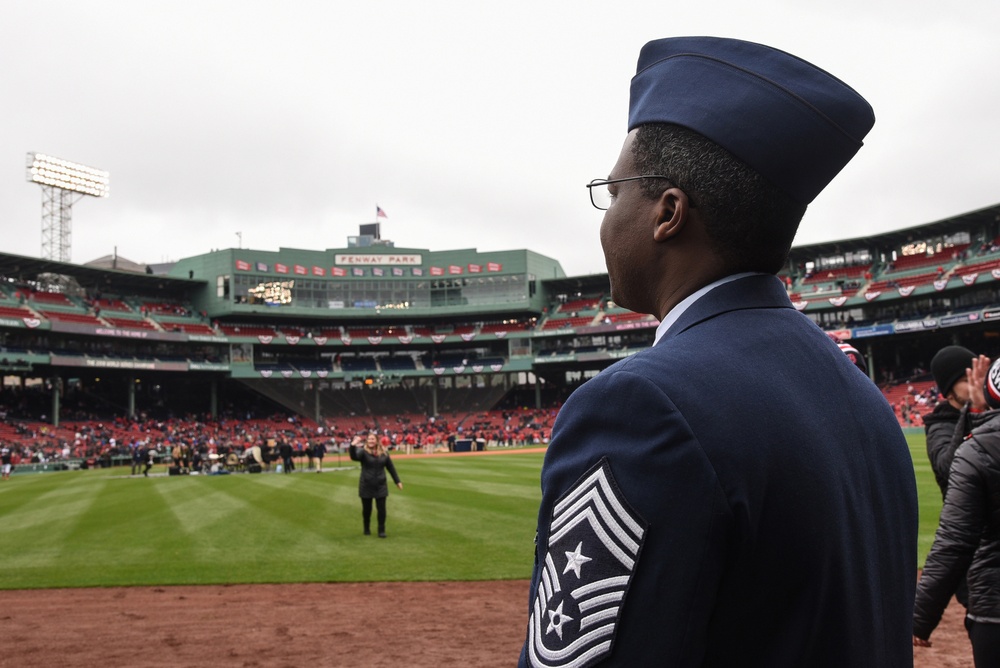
(600, 195)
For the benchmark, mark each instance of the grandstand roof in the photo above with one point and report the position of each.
(29, 268)
(897, 238)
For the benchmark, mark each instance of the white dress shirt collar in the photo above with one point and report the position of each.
(676, 312)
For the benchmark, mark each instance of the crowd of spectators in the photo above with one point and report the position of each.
(107, 440)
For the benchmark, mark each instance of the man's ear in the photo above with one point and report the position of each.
(672, 211)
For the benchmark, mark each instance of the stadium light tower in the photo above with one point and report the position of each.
(63, 184)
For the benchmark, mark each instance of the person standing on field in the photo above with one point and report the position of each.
(375, 461)
(137, 452)
(959, 374)
(947, 424)
(6, 461)
(739, 494)
(318, 452)
(967, 542)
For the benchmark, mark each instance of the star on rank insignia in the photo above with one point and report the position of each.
(594, 542)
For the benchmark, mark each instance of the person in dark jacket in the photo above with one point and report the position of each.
(948, 423)
(285, 450)
(968, 539)
(375, 461)
(318, 452)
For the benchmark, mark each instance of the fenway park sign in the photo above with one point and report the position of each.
(377, 258)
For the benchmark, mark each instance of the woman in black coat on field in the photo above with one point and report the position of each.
(375, 462)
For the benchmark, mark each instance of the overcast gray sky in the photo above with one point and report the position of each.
(473, 125)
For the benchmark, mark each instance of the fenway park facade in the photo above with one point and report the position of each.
(377, 330)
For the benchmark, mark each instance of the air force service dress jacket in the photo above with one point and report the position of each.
(738, 495)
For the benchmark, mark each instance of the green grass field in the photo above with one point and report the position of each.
(928, 494)
(463, 518)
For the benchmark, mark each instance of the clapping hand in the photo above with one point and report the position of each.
(976, 375)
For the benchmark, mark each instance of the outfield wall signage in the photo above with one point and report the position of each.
(916, 325)
(104, 363)
(207, 366)
(962, 319)
(206, 338)
(369, 259)
(564, 357)
(991, 315)
(117, 332)
(553, 332)
(606, 355)
(875, 330)
(623, 326)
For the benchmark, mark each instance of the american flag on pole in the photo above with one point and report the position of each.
(379, 213)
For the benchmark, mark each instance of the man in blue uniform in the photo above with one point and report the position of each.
(740, 494)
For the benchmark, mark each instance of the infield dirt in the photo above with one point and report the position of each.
(287, 626)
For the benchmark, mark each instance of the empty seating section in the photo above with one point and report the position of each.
(397, 363)
(445, 359)
(329, 332)
(246, 330)
(576, 305)
(486, 361)
(925, 278)
(358, 364)
(363, 332)
(824, 290)
(80, 318)
(841, 273)
(130, 323)
(188, 328)
(15, 312)
(111, 304)
(978, 267)
(52, 299)
(566, 323)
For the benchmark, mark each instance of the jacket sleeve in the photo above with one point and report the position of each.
(355, 452)
(653, 459)
(391, 468)
(943, 439)
(955, 542)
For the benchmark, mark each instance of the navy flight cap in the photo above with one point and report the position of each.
(794, 123)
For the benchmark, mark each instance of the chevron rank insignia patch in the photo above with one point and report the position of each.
(594, 543)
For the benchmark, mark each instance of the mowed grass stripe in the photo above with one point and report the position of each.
(271, 527)
(465, 518)
(37, 520)
(128, 535)
(928, 495)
